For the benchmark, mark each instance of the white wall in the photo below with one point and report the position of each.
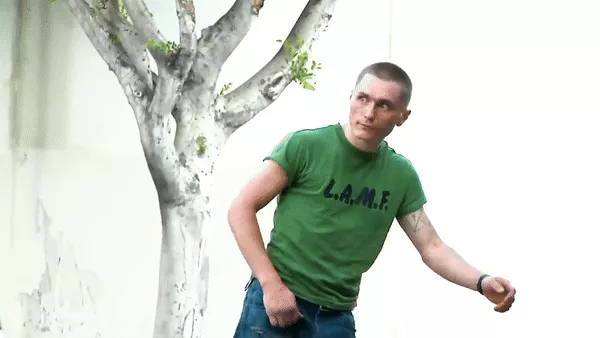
(504, 135)
(501, 133)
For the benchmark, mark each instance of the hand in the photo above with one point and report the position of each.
(499, 291)
(280, 304)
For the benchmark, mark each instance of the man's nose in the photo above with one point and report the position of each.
(369, 112)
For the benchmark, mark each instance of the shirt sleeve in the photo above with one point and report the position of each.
(414, 197)
(289, 154)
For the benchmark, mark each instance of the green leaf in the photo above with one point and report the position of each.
(301, 67)
(201, 143)
(308, 86)
(225, 88)
(122, 9)
(168, 47)
(299, 42)
(114, 38)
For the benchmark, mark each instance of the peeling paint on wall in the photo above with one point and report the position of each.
(64, 303)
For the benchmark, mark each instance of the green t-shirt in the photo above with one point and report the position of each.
(333, 217)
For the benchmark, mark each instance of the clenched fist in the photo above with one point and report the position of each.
(499, 291)
(280, 304)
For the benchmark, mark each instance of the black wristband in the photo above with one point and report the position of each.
(481, 278)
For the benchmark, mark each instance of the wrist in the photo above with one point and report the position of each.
(268, 280)
(480, 282)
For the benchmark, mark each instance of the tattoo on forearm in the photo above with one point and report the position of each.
(414, 221)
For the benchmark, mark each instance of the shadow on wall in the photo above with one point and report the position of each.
(40, 98)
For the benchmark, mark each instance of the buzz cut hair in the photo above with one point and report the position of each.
(388, 71)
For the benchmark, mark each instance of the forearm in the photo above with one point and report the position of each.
(444, 261)
(245, 229)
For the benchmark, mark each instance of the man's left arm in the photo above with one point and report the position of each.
(444, 261)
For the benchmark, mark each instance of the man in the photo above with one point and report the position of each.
(340, 188)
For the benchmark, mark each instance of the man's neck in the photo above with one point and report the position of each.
(369, 147)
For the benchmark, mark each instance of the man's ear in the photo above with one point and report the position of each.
(403, 117)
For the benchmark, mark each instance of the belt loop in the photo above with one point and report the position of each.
(248, 283)
(324, 309)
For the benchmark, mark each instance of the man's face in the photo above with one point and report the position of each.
(376, 107)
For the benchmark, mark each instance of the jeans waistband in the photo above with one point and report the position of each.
(321, 308)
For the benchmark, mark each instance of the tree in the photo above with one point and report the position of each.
(181, 156)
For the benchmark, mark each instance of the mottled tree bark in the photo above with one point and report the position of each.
(181, 157)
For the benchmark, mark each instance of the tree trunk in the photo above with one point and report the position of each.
(183, 270)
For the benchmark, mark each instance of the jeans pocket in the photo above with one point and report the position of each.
(336, 324)
(254, 295)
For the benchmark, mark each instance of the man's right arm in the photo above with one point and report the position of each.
(261, 190)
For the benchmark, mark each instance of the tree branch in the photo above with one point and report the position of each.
(264, 87)
(186, 12)
(215, 46)
(202, 72)
(98, 34)
(147, 28)
(173, 69)
(223, 37)
(172, 179)
(219, 40)
(184, 133)
(125, 37)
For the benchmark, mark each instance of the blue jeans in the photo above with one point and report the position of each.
(318, 322)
